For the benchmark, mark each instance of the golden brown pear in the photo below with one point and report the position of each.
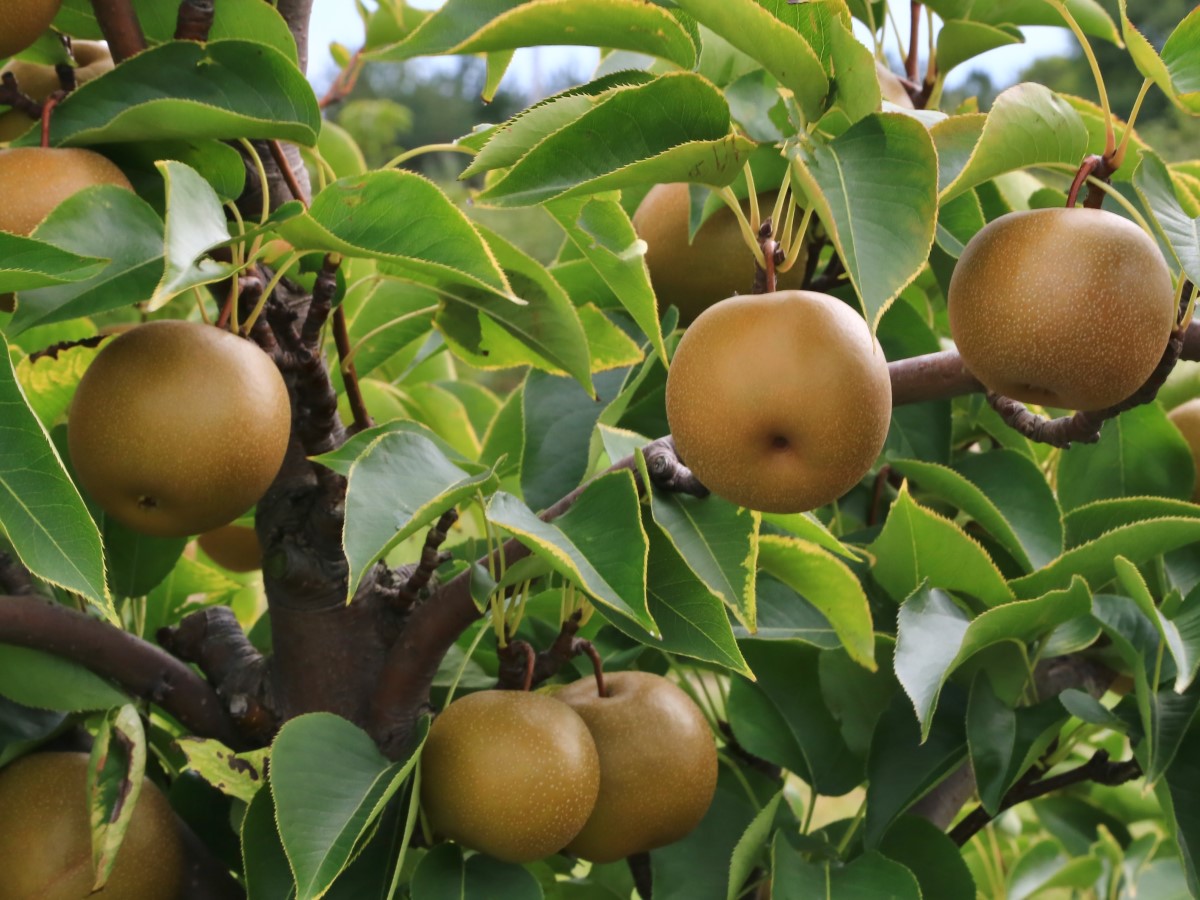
(779, 402)
(890, 86)
(717, 264)
(658, 764)
(40, 81)
(510, 774)
(1187, 420)
(34, 180)
(23, 21)
(235, 547)
(1062, 307)
(46, 841)
(178, 427)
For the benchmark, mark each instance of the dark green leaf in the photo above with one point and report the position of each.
(223, 89)
(26, 264)
(874, 189)
(40, 508)
(676, 128)
(329, 782)
(870, 875)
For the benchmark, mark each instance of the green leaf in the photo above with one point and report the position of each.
(808, 527)
(195, 223)
(719, 542)
(918, 545)
(934, 859)
(869, 875)
(783, 615)
(1184, 655)
(691, 619)
(84, 224)
(1094, 560)
(26, 264)
(1028, 125)
(48, 681)
(1179, 794)
(343, 458)
(959, 220)
(934, 636)
(1090, 15)
(959, 41)
(545, 327)
(443, 874)
(790, 727)
(1140, 453)
(398, 485)
(238, 775)
(602, 231)
(185, 89)
(268, 873)
(403, 220)
(594, 543)
(1006, 742)
(476, 26)
(750, 847)
(1152, 180)
(116, 770)
(697, 867)
(756, 29)
(1006, 493)
(40, 508)
(503, 145)
(1182, 60)
(330, 782)
(137, 563)
(49, 382)
(829, 585)
(676, 128)
(874, 189)
(1090, 521)
(902, 768)
(559, 419)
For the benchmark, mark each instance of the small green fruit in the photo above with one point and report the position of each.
(46, 840)
(1187, 419)
(23, 21)
(1063, 307)
(715, 265)
(658, 764)
(178, 427)
(510, 774)
(34, 180)
(779, 402)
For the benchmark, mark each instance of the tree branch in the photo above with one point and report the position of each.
(139, 667)
(1098, 769)
(297, 13)
(119, 22)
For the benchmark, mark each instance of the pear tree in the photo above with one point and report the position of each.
(342, 522)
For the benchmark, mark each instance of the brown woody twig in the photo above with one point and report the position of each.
(195, 20)
(119, 22)
(1098, 769)
(12, 95)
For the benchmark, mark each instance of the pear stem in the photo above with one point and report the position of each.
(580, 645)
(47, 112)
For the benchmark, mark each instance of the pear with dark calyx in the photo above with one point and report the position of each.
(34, 180)
(178, 427)
(779, 402)
(23, 21)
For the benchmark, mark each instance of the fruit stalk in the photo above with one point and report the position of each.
(121, 27)
(195, 20)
